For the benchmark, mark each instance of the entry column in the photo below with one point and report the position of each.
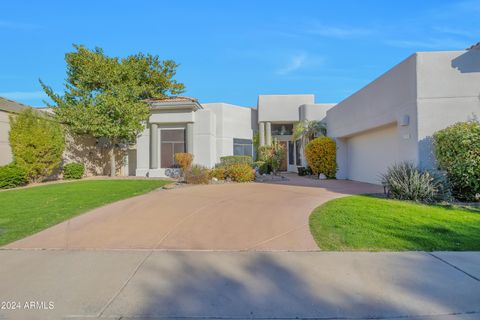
(261, 133)
(189, 138)
(268, 133)
(154, 146)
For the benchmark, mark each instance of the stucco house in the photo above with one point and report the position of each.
(392, 119)
(7, 108)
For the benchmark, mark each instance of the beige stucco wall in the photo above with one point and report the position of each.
(5, 151)
(84, 149)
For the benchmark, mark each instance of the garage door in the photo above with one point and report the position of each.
(370, 153)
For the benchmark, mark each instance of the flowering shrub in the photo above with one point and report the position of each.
(321, 156)
(240, 172)
(184, 160)
(218, 173)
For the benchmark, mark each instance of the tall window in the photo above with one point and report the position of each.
(291, 152)
(172, 141)
(242, 147)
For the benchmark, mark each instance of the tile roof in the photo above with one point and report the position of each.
(12, 106)
(173, 99)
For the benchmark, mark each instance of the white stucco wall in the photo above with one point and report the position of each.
(172, 116)
(448, 92)
(204, 142)
(232, 121)
(282, 108)
(315, 111)
(385, 101)
(5, 150)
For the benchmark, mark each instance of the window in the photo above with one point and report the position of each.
(282, 129)
(291, 152)
(172, 141)
(242, 147)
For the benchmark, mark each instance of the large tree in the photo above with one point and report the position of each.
(104, 96)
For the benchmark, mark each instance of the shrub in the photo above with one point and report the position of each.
(321, 156)
(12, 176)
(240, 172)
(272, 155)
(73, 170)
(457, 149)
(229, 160)
(184, 160)
(262, 167)
(37, 143)
(405, 181)
(218, 173)
(302, 171)
(197, 175)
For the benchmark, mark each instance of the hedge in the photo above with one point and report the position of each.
(229, 160)
(12, 176)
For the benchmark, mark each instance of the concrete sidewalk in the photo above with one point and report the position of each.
(242, 285)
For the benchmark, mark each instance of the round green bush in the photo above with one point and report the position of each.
(457, 149)
(12, 176)
(73, 170)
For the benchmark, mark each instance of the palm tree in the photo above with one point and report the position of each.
(307, 130)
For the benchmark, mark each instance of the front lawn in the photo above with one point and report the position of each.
(373, 224)
(27, 211)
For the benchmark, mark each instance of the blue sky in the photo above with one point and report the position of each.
(231, 51)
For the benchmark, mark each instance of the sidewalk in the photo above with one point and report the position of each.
(214, 284)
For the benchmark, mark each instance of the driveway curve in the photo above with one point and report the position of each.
(252, 216)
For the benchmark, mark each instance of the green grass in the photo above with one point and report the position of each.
(27, 211)
(373, 224)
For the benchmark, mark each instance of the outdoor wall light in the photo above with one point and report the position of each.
(405, 121)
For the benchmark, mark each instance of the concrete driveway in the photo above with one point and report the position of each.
(253, 216)
(146, 284)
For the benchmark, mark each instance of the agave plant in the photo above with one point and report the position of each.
(404, 181)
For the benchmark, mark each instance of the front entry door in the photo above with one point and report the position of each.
(293, 155)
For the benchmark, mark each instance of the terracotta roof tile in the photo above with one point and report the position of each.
(173, 99)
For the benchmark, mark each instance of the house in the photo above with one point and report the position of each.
(7, 108)
(390, 120)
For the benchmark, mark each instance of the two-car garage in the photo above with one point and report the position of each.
(371, 152)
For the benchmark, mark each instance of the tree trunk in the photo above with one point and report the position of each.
(112, 160)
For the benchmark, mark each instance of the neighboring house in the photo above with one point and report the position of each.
(7, 108)
(390, 120)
